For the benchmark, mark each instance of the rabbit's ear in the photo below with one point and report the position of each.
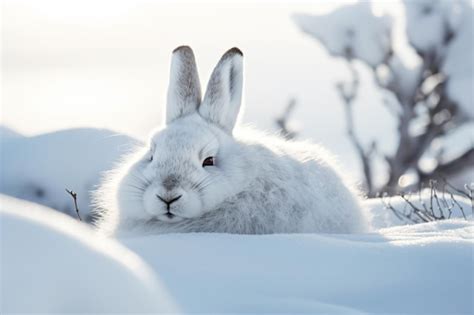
(184, 90)
(223, 96)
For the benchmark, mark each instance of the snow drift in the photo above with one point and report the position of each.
(425, 268)
(54, 264)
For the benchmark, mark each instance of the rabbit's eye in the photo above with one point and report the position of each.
(209, 161)
(150, 154)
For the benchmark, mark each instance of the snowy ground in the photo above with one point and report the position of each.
(63, 266)
(51, 263)
(414, 269)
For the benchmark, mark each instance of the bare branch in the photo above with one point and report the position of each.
(470, 190)
(428, 213)
(282, 122)
(457, 203)
(399, 214)
(424, 216)
(74, 197)
(434, 195)
(423, 109)
(459, 191)
(348, 95)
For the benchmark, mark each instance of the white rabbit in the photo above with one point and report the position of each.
(197, 175)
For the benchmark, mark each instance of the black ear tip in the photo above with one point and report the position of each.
(231, 53)
(183, 48)
(234, 50)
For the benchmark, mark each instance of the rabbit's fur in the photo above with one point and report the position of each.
(258, 183)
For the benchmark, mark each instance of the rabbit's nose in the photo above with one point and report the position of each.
(168, 201)
(171, 182)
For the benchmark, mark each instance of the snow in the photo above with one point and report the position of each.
(425, 268)
(428, 22)
(7, 134)
(439, 31)
(428, 25)
(403, 78)
(341, 31)
(460, 74)
(382, 217)
(52, 263)
(40, 168)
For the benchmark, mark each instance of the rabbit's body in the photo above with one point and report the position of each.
(250, 183)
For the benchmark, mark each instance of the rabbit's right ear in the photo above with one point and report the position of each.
(184, 90)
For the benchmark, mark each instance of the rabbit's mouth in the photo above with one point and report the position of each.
(169, 217)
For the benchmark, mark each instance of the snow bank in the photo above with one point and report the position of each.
(425, 268)
(40, 168)
(7, 134)
(53, 264)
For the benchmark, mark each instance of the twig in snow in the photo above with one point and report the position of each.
(425, 210)
(74, 197)
(399, 214)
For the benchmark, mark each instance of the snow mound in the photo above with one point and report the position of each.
(53, 264)
(343, 34)
(7, 134)
(40, 168)
(425, 268)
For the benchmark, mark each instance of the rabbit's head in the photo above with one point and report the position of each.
(193, 163)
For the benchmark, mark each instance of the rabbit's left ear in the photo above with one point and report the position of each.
(221, 103)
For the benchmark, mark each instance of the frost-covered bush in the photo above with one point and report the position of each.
(430, 91)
